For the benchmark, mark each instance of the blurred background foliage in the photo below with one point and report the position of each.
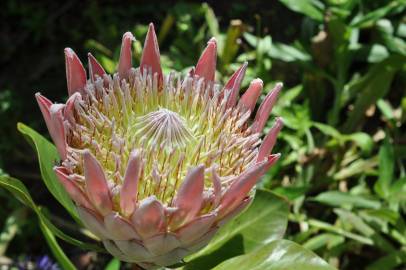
(343, 64)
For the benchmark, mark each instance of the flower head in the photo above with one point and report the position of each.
(157, 163)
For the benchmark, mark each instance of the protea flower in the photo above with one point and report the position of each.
(157, 163)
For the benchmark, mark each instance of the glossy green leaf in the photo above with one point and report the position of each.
(287, 53)
(263, 222)
(386, 169)
(321, 240)
(310, 8)
(114, 264)
(60, 256)
(337, 198)
(373, 16)
(47, 157)
(278, 255)
(18, 189)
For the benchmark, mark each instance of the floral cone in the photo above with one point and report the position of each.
(157, 163)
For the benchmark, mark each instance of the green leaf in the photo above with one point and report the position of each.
(287, 53)
(371, 87)
(278, 255)
(18, 189)
(328, 240)
(310, 8)
(373, 16)
(337, 198)
(60, 256)
(390, 261)
(263, 222)
(211, 20)
(114, 264)
(63, 236)
(47, 156)
(386, 169)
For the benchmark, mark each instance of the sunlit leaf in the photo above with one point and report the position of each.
(311, 8)
(337, 198)
(47, 157)
(263, 222)
(277, 255)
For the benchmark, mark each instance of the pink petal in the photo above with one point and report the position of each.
(134, 250)
(235, 212)
(75, 72)
(45, 105)
(266, 147)
(125, 62)
(93, 222)
(149, 219)
(52, 114)
(150, 55)
(69, 112)
(129, 190)
(195, 229)
(234, 84)
(250, 97)
(96, 184)
(272, 159)
(189, 197)
(265, 108)
(95, 69)
(217, 187)
(162, 243)
(202, 241)
(206, 66)
(58, 128)
(72, 188)
(118, 228)
(170, 258)
(112, 248)
(239, 189)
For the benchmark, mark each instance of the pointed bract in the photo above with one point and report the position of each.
(125, 62)
(149, 219)
(206, 66)
(95, 69)
(250, 97)
(71, 187)
(96, 184)
(151, 58)
(265, 108)
(269, 140)
(234, 84)
(75, 72)
(129, 190)
(189, 197)
(240, 187)
(58, 128)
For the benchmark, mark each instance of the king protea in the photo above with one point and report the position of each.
(157, 163)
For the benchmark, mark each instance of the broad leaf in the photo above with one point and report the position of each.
(47, 156)
(337, 198)
(311, 8)
(278, 255)
(263, 222)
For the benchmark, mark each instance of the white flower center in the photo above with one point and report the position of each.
(163, 127)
